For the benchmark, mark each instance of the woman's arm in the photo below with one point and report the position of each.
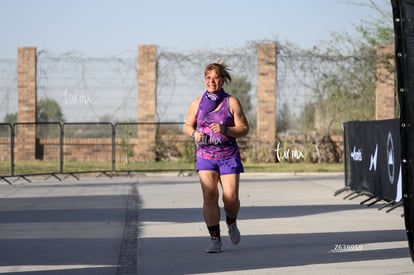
(191, 121)
(241, 126)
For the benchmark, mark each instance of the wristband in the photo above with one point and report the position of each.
(192, 135)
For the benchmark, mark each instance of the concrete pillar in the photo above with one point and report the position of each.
(147, 101)
(385, 83)
(27, 97)
(266, 94)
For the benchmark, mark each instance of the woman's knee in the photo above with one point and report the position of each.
(210, 195)
(231, 199)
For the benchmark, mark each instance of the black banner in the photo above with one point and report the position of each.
(372, 158)
(403, 15)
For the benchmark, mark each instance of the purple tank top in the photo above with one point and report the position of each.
(216, 145)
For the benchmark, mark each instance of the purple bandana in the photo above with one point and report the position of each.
(210, 101)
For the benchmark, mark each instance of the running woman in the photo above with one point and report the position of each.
(215, 120)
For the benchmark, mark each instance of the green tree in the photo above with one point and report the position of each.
(10, 118)
(48, 110)
(5, 131)
(307, 119)
(240, 88)
(284, 119)
(344, 69)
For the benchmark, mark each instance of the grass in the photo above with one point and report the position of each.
(46, 167)
(294, 167)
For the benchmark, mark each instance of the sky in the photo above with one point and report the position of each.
(101, 28)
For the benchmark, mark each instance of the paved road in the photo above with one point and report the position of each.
(290, 224)
(69, 227)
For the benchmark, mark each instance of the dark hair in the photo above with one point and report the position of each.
(221, 69)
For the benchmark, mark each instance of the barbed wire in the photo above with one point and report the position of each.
(105, 89)
(89, 89)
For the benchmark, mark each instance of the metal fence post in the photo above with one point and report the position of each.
(12, 150)
(113, 148)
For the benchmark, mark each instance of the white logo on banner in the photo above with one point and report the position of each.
(356, 155)
(373, 164)
(390, 158)
(398, 196)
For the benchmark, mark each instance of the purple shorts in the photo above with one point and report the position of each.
(224, 167)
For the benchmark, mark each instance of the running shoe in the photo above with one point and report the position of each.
(215, 246)
(234, 233)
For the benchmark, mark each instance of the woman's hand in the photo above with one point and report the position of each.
(218, 128)
(197, 136)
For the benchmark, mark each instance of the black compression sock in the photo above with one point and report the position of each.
(230, 221)
(214, 231)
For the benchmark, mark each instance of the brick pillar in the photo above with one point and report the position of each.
(266, 95)
(147, 101)
(385, 83)
(27, 97)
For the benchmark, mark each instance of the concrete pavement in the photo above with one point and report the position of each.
(68, 227)
(290, 224)
(152, 224)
